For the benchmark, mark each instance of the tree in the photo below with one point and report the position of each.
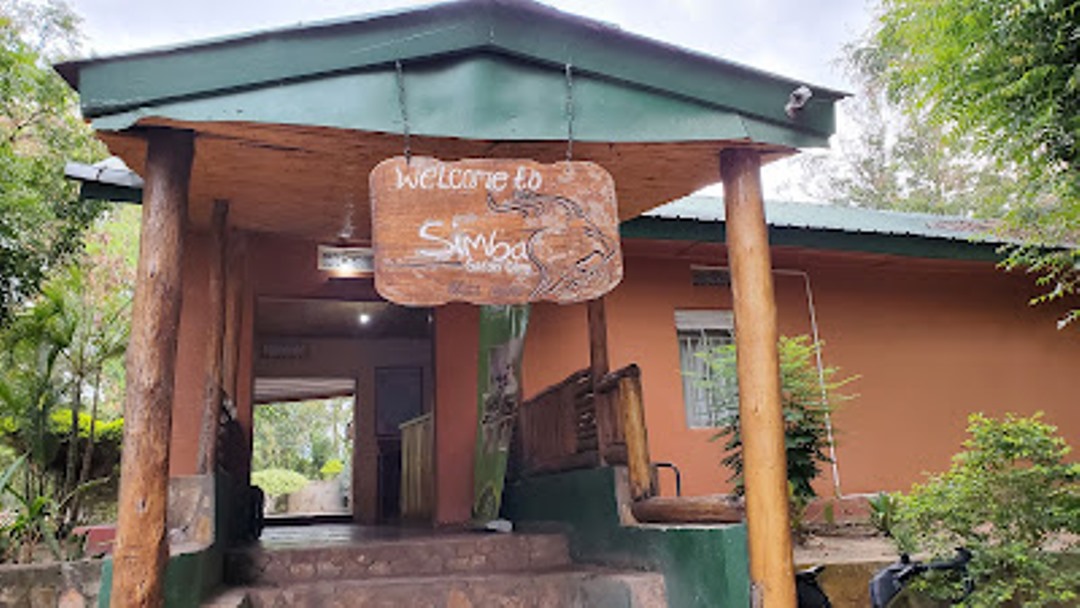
(54, 355)
(892, 157)
(41, 217)
(32, 384)
(1003, 72)
(62, 351)
(1003, 75)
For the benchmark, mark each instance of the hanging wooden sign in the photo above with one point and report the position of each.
(493, 231)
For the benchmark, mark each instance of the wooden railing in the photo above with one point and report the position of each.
(418, 468)
(575, 424)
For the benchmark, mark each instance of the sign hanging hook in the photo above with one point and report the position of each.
(569, 113)
(403, 109)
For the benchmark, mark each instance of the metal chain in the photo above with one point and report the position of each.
(404, 111)
(569, 114)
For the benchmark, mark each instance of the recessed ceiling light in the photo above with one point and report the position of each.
(364, 318)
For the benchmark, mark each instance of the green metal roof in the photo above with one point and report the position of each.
(478, 69)
(816, 226)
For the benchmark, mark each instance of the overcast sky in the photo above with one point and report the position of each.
(800, 39)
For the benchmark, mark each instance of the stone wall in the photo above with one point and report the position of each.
(60, 584)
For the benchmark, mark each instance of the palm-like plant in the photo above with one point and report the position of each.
(31, 384)
(54, 355)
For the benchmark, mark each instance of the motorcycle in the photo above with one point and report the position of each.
(888, 583)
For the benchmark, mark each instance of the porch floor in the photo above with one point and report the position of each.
(345, 535)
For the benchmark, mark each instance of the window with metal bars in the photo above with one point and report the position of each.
(707, 392)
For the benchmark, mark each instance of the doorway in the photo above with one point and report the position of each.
(302, 447)
(374, 355)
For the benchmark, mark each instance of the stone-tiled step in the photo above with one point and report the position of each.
(429, 556)
(578, 588)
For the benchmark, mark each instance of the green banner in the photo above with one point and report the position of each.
(502, 340)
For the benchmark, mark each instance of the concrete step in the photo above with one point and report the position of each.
(577, 588)
(431, 556)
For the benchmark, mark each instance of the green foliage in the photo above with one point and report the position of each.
(33, 522)
(278, 482)
(797, 504)
(883, 512)
(301, 436)
(806, 399)
(332, 468)
(53, 354)
(829, 513)
(41, 218)
(1001, 71)
(108, 439)
(1003, 75)
(32, 381)
(892, 157)
(1014, 501)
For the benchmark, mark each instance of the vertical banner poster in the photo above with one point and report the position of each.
(502, 340)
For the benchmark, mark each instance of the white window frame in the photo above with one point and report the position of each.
(696, 331)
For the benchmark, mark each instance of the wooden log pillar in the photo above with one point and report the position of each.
(762, 424)
(234, 307)
(142, 548)
(598, 368)
(213, 381)
(632, 411)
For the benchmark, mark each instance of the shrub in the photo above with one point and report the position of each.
(108, 439)
(278, 482)
(332, 468)
(1012, 499)
(883, 512)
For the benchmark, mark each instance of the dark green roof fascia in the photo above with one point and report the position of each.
(836, 240)
(527, 102)
(109, 192)
(518, 28)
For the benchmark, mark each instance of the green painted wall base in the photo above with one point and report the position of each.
(189, 578)
(703, 566)
(192, 576)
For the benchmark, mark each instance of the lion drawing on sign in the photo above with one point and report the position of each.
(565, 262)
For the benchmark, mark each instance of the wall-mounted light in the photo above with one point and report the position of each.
(347, 261)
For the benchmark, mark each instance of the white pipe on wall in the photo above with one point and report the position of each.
(816, 336)
(835, 465)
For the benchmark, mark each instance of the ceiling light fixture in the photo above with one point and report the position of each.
(344, 259)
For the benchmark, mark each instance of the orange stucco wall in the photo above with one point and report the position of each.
(457, 341)
(265, 266)
(931, 340)
(190, 357)
(274, 266)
